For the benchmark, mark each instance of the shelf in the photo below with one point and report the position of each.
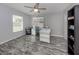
(70, 18)
(71, 31)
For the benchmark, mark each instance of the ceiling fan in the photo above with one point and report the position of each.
(36, 8)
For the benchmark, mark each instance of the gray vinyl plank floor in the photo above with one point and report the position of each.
(30, 45)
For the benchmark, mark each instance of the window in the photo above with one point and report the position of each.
(17, 23)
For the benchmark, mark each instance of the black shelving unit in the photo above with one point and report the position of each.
(73, 31)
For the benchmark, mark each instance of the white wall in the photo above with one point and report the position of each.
(6, 32)
(56, 23)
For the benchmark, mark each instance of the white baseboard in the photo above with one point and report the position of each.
(58, 35)
(10, 39)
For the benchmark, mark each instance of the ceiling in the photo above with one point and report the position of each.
(51, 7)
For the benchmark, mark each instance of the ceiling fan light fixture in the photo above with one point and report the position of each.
(35, 10)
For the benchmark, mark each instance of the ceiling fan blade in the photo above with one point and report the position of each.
(28, 7)
(36, 5)
(42, 8)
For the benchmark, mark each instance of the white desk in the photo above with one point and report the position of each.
(45, 35)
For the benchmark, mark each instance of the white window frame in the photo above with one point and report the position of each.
(17, 23)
